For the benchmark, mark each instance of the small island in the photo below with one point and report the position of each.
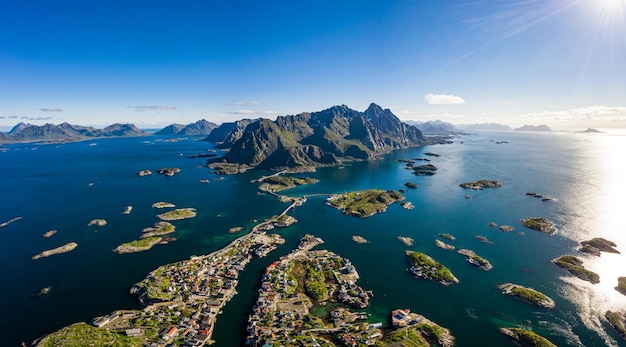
(597, 245)
(98, 222)
(162, 204)
(411, 185)
(407, 205)
(2, 225)
(144, 173)
(621, 285)
(617, 321)
(59, 250)
(235, 230)
(444, 245)
(482, 239)
(448, 236)
(424, 170)
(426, 267)
(359, 239)
(406, 240)
(277, 183)
(48, 234)
(168, 171)
(527, 295)
(539, 224)
(575, 266)
(178, 214)
(481, 184)
(137, 245)
(506, 228)
(127, 210)
(527, 338)
(364, 203)
(159, 229)
(476, 260)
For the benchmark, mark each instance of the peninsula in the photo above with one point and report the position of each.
(364, 203)
(279, 182)
(527, 295)
(575, 266)
(59, 250)
(427, 268)
(178, 214)
(539, 224)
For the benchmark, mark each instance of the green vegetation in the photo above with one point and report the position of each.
(160, 228)
(617, 322)
(480, 184)
(527, 337)
(364, 203)
(314, 283)
(574, 266)
(430, 269)
(529, 294)
(81, 334)
(407, 337)
(621, 285)
(181, 213)
(599, 244)
(539, 224)
(145, 242)
(277, 183)
(433, 331)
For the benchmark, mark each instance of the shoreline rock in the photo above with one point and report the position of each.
(406, 240)
(49, 234)
(144, 173)
(444, 245)
(97, 222)
(168, 171)
(359, 239)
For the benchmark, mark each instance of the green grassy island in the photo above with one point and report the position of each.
(527, 338)
(597, 245)
(575, 266)
(475, 259)
(181, 213)
(278, 182)
(364, 203)
(481, 184)
(617, 321)
(539, 224)
(159, 229)
(137, 245)
(527, 295)
(426, 267)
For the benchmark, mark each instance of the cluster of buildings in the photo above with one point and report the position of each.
(281, 313)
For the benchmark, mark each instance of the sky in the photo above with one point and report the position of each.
(153, 63)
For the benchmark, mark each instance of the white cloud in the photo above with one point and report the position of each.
(441, 99)
(251, 112)
(33, 118)
(246, 103)
(50, 109)
(153, 108)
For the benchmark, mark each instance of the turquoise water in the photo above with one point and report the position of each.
(49, 185)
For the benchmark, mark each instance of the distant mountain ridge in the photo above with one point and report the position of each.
(201, 127)
(527, 127)
(318, 139)
(486, 126)
(435, 127)
(66, 132)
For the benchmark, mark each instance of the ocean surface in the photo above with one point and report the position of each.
(64, 186)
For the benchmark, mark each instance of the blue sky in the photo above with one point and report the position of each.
(152, 63)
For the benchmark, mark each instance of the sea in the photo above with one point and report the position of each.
(63, 186)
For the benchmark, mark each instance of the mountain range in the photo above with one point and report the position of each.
(201, 127)
(315, 139)
(23, 132)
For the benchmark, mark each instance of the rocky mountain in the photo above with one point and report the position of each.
(4, 137)
(319, 138)
(526, 127)
(67, 132)
(171, 129)
(201, 127)
(227, 133)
